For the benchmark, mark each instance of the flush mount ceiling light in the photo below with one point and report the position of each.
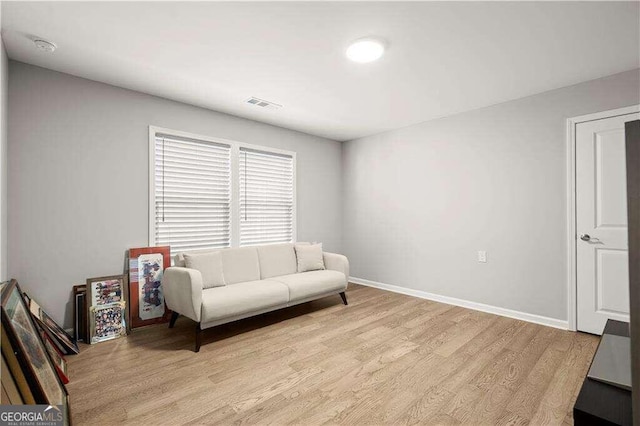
(45, 45)
(365, 50)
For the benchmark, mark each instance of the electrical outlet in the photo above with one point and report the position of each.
(482, 256)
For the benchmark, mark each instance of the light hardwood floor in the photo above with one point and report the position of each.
(384, 359)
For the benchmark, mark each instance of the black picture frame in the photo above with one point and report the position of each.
(63, 340)
(81, 329)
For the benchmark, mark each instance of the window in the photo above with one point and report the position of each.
(207, 193)
(266, 197)
(192, 205)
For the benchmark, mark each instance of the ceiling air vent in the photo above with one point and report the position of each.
(263, 104)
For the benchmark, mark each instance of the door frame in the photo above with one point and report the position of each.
(572, 238)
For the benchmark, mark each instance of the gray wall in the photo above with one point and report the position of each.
(4, 94)
(79, 177)
(419, 202)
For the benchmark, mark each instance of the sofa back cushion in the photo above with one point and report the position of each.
(178, 260)
(210, 266)
(309, 257)
(240, 265)
(277, 260)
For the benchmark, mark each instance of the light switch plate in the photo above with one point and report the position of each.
(482, 256)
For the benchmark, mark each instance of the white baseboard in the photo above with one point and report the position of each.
(537, 319)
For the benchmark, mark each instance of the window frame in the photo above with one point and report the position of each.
(235, 179)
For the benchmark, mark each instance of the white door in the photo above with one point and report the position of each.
(601, 223)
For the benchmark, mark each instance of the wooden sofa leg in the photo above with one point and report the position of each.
(344, 297)
(198, 337)
(174, 317)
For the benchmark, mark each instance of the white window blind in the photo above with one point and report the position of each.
(266, 197)
(192, 183)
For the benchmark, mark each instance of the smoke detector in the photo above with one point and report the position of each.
(262, 103)
(45, 45)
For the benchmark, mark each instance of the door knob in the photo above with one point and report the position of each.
(585, 237)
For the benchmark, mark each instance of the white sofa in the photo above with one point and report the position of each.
(255, 280)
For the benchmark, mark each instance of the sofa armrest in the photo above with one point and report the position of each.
(336, 262)
(182, 288)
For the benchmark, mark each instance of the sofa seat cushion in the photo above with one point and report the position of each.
(308, 284)
(242, 298)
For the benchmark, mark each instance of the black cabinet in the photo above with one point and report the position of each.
(602, 404)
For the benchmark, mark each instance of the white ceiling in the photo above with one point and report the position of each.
(443, 58)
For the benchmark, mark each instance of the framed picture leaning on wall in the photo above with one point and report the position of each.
(56, 356)
(31, 360)
(63, 340)
(107, 322)
(106, 295)
(146, 266)
(80, 321)
(52, 349)
(10, 390)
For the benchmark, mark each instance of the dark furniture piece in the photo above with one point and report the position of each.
(602, 404)
(632, 136)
